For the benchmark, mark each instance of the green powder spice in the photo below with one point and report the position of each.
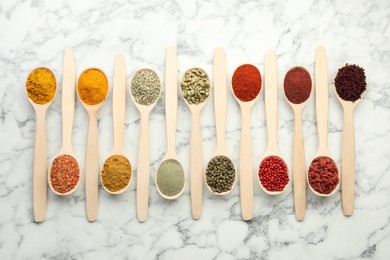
(145, 87)
(116, 173)
(170, 178)
(220, 174)
(195, 86)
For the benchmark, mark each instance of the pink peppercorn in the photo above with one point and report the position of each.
(273, 173)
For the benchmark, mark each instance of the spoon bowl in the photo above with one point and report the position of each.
(170, 158)
(267, 155)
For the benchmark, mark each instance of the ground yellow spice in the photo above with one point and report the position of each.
(116, 173)
(92, 86)
(41, 86)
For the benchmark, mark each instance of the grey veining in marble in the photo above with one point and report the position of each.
(34, 33)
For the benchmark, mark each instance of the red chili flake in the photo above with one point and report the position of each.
(64, 173)
(350, 82)
(273, 173)
(246, 82)
(297, 85)
(323, 175)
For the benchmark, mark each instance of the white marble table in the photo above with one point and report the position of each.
(35, 33)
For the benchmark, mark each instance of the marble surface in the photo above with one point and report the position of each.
(35, 33)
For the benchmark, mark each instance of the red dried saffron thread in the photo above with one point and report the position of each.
(297, 85)
(350, 82)
(64, 173)
(246, 82)
(273, 173)
(323, 175)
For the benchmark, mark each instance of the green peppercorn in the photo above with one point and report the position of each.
(220, 174)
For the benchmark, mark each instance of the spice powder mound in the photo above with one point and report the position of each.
(350, 82)
(273, 173)
(220, 174)
(41, 86)
(170, 178)
(297, 85)
(323, 175)
(64, 173)
(116, 173)
(246, 82)
(195, 86)
(145, 87)
(92, 86)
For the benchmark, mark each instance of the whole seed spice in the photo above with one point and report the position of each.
(170, 178)
(220, 174)
(145, 87)
(350, 82)
(323, 175)
(246, 82)
(64, 173)
(297, 85)
(195, 86)
(273, 173)
(41, 86)
(116, 173)
(92, 87)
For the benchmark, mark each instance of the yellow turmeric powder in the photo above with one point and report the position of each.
(92, 86)
(41, 85)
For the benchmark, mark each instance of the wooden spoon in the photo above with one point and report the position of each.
(196, 159)
(220, 106)
(271, 112)
(40, 157)
(143, 171)
(171, 115)
(299, 168)
(321, 80)
(246, 156)
(68, 99)
(348, 154)
(92, 152)
(118, 115)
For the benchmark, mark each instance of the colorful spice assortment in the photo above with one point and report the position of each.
(323, 175)
(350, 82)
(116, 173)
(92, 86)
(220, 174)
(64, 173)
(246, 82)
(195, 86)
(273, 173)
(297, 85)
(170, 178)
(145, 87)
(41, 86)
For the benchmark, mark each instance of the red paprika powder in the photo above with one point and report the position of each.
(246, 82)
(297, 85)
(323, 175)
(273, 173)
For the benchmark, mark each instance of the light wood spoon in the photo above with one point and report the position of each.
(220, 106)
(143, 171)
(321, 81)
(118, 115)
(246, 155)
(271, 112)
(299, 168)
(348, 154)
(68, 100)
(92, 151)
(196, 159)
(40, 157)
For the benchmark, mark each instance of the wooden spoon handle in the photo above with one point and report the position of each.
(321, 79)
(171, 98)
(119, 101)
(40, 157)
(196, 169)
(220, 95)
(299, 170)
(92, 167)
(68, 98)
(271, 96)
(348, 163)
(143, 171)
(246, 167)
